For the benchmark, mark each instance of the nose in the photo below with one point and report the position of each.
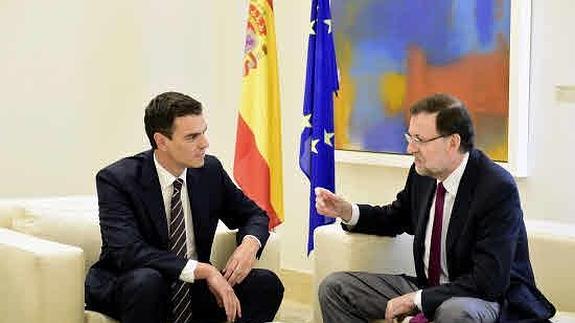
(204, 143)
(411, 148)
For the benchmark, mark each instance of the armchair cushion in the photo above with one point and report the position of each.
(43, 280)
(8, 213)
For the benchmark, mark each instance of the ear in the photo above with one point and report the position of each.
(161, 141)
(455, 141)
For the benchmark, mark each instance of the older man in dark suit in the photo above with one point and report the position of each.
(158, 214)
(470, 246)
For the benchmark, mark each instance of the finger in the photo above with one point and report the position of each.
(238, 306)
(324, 193)
(242, 276)
(228, 264)
(234, 278)
(319, 191)
(231, 309)
(389, 311)
(324, 210)
(230, 268)
(228, 306)
(217, 296)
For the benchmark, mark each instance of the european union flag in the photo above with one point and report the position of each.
(316, 157)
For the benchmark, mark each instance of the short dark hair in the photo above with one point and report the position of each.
(452, 117)
(163, 109)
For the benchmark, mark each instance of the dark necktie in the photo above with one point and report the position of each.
(181, 310)
(434, 270)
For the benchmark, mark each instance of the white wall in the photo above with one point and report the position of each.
(75, 76)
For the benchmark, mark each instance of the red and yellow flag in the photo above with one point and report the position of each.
(258, 159)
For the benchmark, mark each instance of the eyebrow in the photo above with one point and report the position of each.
(194, 135)
(414, 135)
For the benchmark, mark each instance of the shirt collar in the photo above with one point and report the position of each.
(166, 178)
(451, 183)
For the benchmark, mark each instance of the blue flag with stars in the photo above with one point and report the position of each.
(316, 156)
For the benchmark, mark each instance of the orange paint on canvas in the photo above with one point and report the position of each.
(462, 78)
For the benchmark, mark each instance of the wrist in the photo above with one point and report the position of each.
(252, 244)
(205, 271)
(347, 214)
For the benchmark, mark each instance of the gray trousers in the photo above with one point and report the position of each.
(348, 297)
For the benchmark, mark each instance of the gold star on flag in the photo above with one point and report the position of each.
(328, 23)
(306, 121)
(327, 138)
(313, 145)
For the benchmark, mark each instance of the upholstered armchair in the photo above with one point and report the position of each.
(47, 245)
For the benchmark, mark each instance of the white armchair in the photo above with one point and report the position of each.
(551, 246)
(339, 250)
(48, 244)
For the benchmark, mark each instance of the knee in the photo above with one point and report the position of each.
(146, 282)
(456, 309)
(264, 285)
(271, 285)
(331, 285)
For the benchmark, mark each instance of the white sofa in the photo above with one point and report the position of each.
(47, 245)
(551, 246)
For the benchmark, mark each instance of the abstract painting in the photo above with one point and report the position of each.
(392, 53)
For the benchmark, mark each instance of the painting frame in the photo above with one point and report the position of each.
(519, 99)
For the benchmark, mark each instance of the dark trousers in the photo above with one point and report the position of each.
(142, 296)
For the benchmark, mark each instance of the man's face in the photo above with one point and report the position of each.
(431, 157)
(187, 148)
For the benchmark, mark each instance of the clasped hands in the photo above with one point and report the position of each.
(237, 268)
(400, 307)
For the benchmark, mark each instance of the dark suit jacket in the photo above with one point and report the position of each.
(133, 220)
(486, 244)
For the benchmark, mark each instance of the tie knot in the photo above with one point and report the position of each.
(440, 188)
(178, 184)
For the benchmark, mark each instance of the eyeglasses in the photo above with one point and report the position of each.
(418, 141)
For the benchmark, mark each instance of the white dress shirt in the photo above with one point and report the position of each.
(166, 184)
(451, 184)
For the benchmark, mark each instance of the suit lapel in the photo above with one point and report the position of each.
(428, 188)
(152, 197)
(460, 211)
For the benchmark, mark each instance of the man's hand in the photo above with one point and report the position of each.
(241, 261)
(224, 293)
(400, 307)
(331, 205)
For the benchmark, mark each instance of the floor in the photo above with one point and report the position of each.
(296, 306)
(294, 312)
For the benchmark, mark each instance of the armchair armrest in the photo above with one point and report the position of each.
(339, 250)
(42, 281)
(225, 244)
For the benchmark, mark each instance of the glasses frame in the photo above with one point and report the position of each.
(417, 141)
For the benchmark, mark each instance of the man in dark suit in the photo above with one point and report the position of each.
(158, 214)
(470, 245)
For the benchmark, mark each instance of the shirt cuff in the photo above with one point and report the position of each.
(354, 216)
(417, 300)
(252, 236)
(187, 273)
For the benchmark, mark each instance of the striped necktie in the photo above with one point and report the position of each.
(181, 310)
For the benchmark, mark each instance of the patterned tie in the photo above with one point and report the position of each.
(182, 311)
(434, 270)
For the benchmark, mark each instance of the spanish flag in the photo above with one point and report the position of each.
(258, 157)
